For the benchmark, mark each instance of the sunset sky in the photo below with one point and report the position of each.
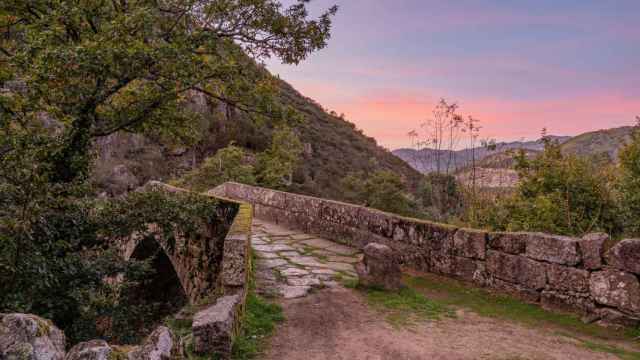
(568, 65)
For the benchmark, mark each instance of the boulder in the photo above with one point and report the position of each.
(120, 180)
(625, 255)
(379, 268)
(616, 289)
(592, 246)
(90, 350)
(160, 345)
(213, 327)
(556, 249)
(30, 337)
(470, 244)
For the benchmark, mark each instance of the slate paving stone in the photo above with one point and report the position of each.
(318, 243)
(293, 272)
(271, 263)
(342, 249)
(272, 248)
(302, 261)
(292, 292)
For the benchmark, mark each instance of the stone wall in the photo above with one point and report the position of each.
(562, 273)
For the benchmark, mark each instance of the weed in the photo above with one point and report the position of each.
(259, 323)
(406, 306)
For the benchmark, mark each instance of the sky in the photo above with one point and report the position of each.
(569, 66)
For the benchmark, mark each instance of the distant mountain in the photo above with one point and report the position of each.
(426, 160)
(597, 143)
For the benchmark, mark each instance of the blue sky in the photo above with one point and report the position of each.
(570, 66)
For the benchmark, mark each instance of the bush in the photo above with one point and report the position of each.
(628, 184)
(383, 190)
(561, 194)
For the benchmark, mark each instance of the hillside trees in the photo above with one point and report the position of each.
(628, 184)
(382, 190)
(105, 66)
(560, 194)
(276, 165)
(75, 71)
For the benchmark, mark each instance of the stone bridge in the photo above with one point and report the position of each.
(198, 266)
(579, 275)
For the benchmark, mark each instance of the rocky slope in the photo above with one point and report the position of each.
(333, 149)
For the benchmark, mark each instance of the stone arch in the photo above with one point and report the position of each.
(164, 287)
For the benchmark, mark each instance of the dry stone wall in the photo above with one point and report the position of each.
(559, 272)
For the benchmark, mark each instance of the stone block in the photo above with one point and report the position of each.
(566, 278)
(516, 269)
(625, 255)
(520, 292)
(213, 327)
(379, 268)
(592, 247)
(611, 317)
(27, 336)
(616, 289)
(90, 350)
(469, 269)
(566, 302)
(235, 260)
(553, 248)
(161, 344)
(510, 243)
(470, 243)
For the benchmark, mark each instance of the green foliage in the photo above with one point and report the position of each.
(100, 67)
(406, 306)
(259, 323)
(228, 164)
(561, 194)
(383, 190)
(276, 165)
(629, 184)
(441, 196)
(455, 294)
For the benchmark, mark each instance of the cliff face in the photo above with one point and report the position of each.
(333, 149)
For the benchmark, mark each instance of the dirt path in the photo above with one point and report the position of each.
(337, 324)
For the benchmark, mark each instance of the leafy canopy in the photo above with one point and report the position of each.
(105, 66)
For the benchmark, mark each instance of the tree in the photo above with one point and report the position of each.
(441, 196)
(276, 165)
(629, 182)
(382, 190)
(561, 194)
(100, 67)
(94, 68)
(228, 164)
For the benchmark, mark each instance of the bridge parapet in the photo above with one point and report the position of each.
(559, 272)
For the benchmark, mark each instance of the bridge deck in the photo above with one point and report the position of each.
(291, 263)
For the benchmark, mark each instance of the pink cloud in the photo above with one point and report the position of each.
(388, 117)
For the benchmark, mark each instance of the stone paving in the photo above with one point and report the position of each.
(290, 263)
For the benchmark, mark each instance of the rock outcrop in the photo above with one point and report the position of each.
(160, 345)
(90, 350)
(29, 337)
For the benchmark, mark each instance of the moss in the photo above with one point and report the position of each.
(119, 352)
(406, 306)
(44, 327)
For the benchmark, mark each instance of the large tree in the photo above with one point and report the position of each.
(103, 66)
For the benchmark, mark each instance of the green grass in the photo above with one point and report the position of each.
(448, 292)
(406, 306)
(260, 320)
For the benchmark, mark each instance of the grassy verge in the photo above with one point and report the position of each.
(260, 320)
(406, 306)
(452, 293)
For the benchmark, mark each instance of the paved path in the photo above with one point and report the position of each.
(291, 263)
